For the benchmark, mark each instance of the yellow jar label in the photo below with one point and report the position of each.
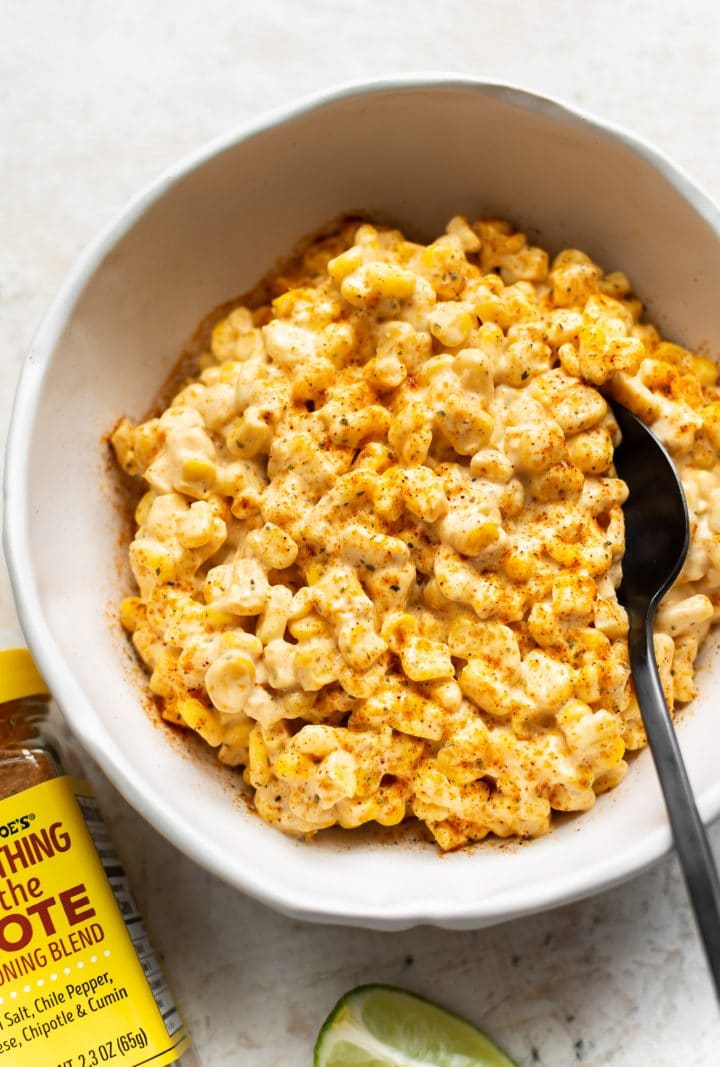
(79, 981)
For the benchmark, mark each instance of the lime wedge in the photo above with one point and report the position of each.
(381, 1026)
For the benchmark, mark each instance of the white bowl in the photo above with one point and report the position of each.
(416, 150)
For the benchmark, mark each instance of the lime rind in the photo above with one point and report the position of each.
(383, 1026)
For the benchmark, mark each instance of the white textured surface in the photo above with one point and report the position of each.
(96, 99)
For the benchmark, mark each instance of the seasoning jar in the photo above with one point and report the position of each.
(80, 984)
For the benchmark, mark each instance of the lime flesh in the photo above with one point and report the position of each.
(381, 1026)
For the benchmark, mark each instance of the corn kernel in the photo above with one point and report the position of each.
(316, 664)
(132, 613)
(705, 370)
(199, 469)
(377, 281)
(202, 720)
(346, 263)
(259, 771)
(229, 680)
(229, 332)
(671, 353)
(423, 660)
(451, 324)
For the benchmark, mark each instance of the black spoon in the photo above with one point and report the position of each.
(657, 532)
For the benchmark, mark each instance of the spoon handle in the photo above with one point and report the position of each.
(691, 840)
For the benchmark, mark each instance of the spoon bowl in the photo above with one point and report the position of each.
(656, 514)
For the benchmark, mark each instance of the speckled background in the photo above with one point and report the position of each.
(95, 99)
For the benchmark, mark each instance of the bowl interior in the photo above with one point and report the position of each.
(414, 155)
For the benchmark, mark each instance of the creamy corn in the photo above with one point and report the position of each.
(381, 537)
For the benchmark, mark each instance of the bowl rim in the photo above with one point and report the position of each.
(146, 799)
